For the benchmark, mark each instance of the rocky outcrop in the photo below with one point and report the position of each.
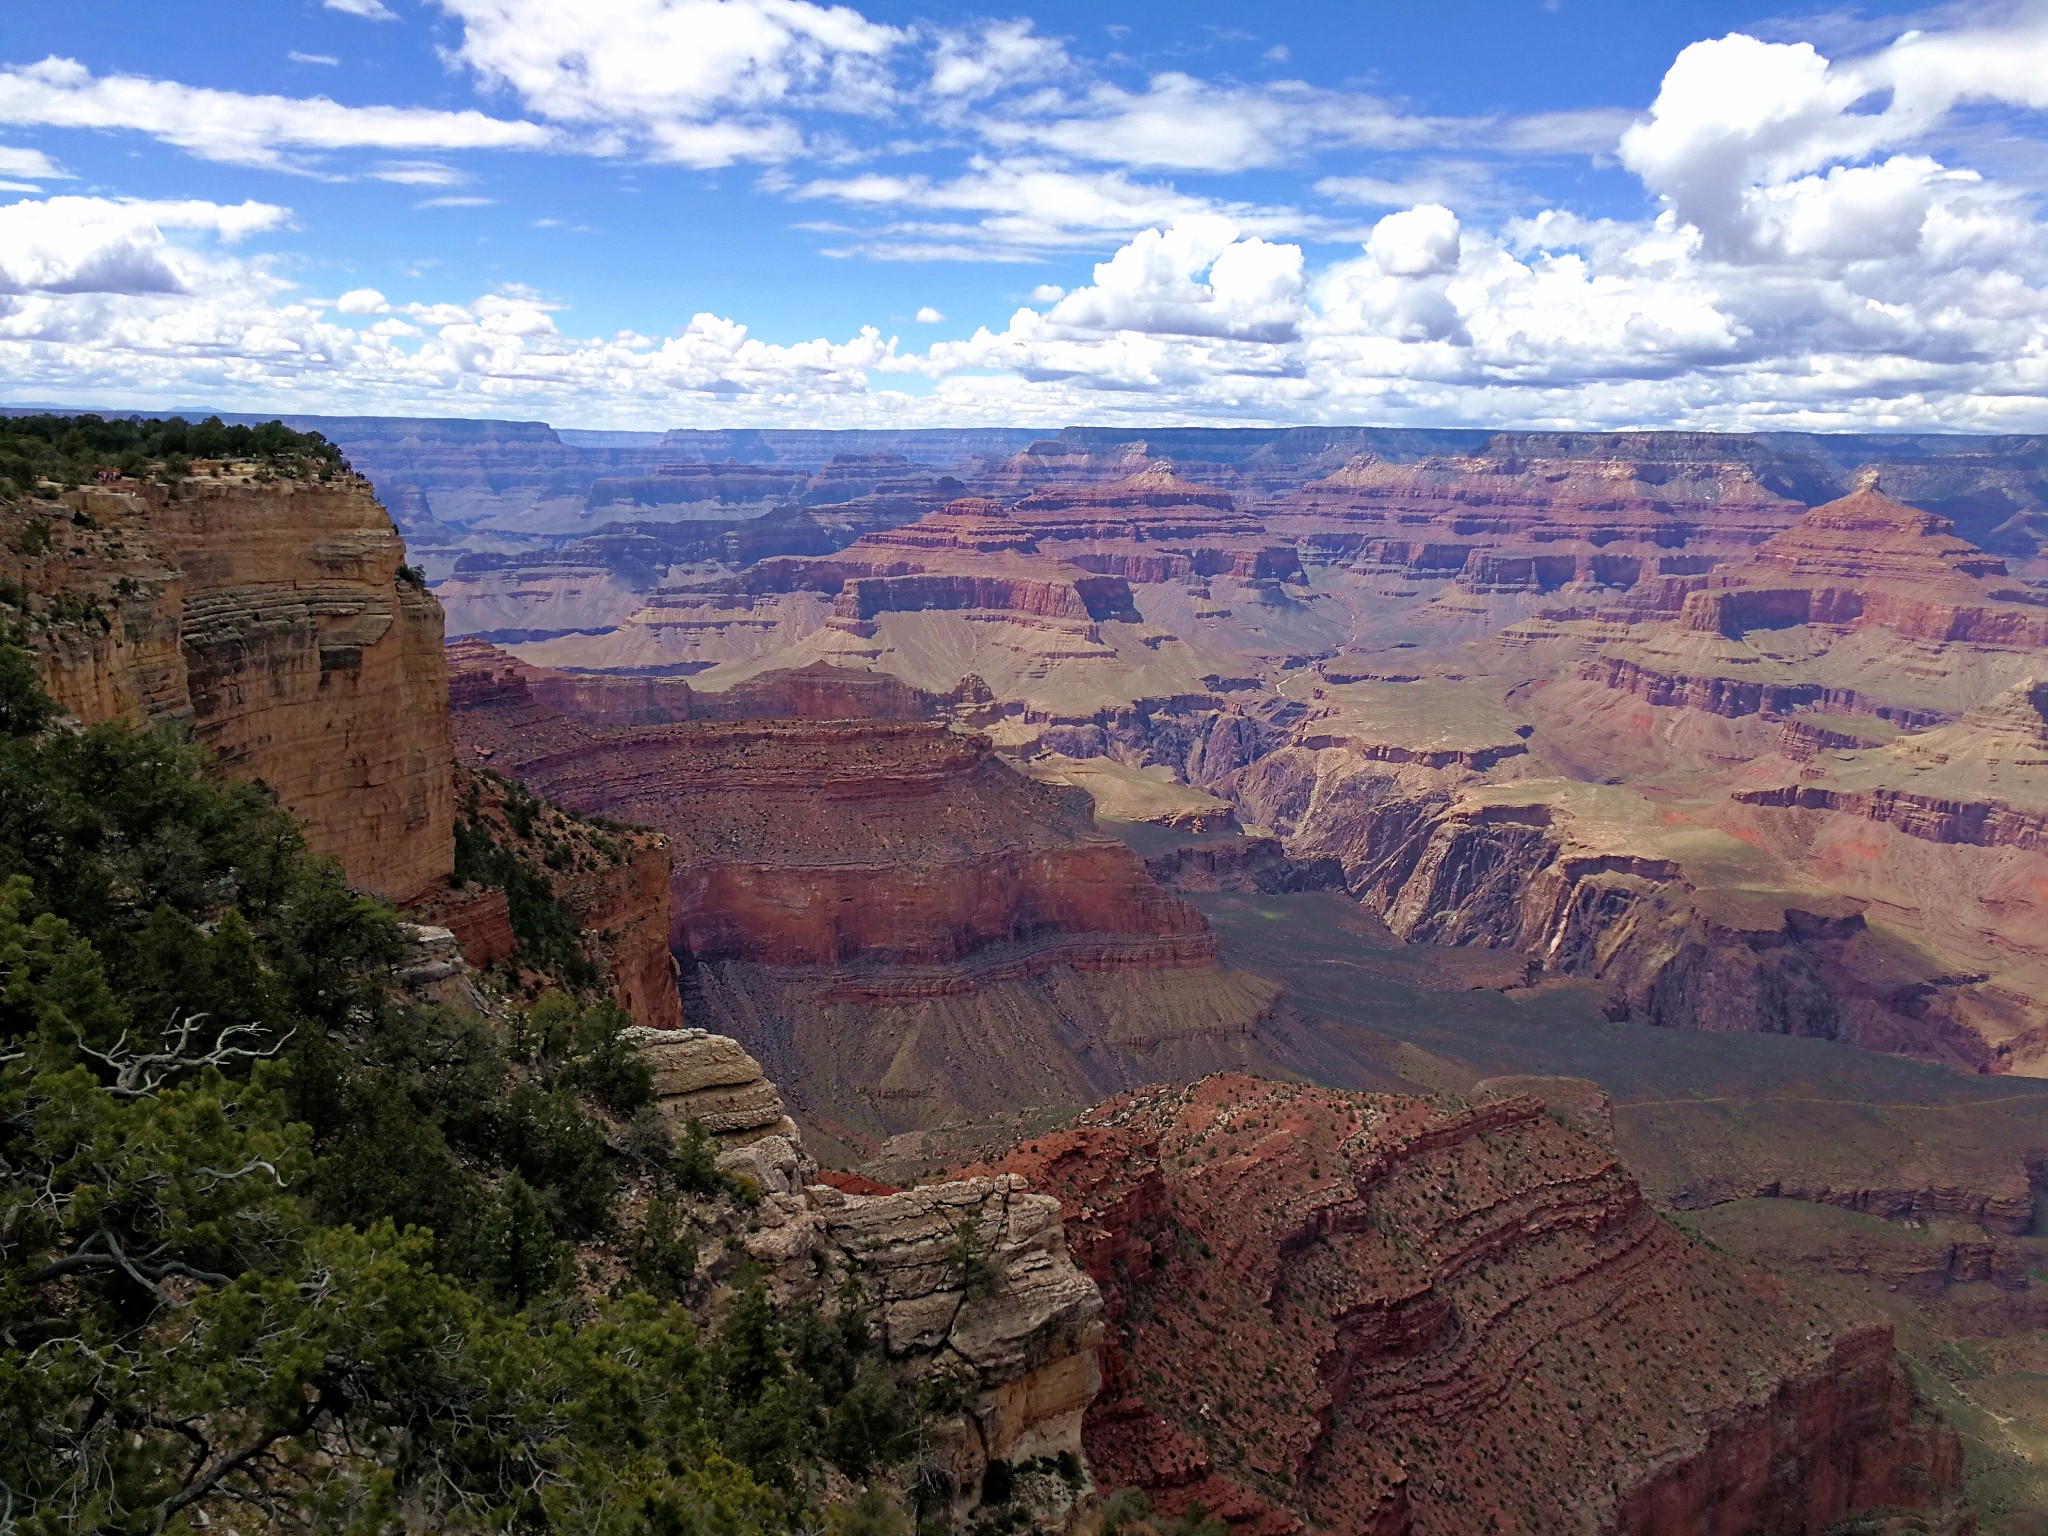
(609, 884)
(1866, 559)
(275, 617)
(624, 913)
(969, 1280)
(975, 1273)
(712, 1080)
(1372, 1314)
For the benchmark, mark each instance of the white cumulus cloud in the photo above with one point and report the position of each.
(1825, 247)
(91, 245)
(1195, 278)
(698, 82)
(1418, 242)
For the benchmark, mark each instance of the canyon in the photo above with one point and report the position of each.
(1701, 733)
(909, 931)
(1527, 691)
(1374, 792)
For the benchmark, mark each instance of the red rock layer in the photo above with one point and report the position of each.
(823, 842)
(612, 882)
(1153, 505)
(1866, 559)
(1384, 1315)
(1867, 536)
(1063, 553)
(272, 617)
(1504, 521)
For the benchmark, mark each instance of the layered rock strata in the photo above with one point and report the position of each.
(1372, 1314)
(712, 1080)
(1538, 517)
(1982, 781)
(907, 928)
(1866, 559)
(277, 619)
(1680, 923)
(831, 841)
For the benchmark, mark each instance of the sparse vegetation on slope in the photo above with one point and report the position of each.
(284, 1246)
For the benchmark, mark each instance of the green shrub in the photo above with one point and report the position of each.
(67, 449)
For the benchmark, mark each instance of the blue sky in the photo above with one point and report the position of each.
(675, 212)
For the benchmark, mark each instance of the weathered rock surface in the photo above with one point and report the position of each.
(1374, 1314)
(970, 1278)
(274, 618)
(711, 1078)
(1866, 559)
(1982, 781)
(611, 883)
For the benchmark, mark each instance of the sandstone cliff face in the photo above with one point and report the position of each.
(625, 916)
(273, 617)
(1371, 1314)
(801, 842)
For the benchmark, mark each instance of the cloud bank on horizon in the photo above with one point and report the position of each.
(1829, 224)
